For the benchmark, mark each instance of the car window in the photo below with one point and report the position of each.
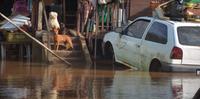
(157, 33)
(137, 28)
(189, 35)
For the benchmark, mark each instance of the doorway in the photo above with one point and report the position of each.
(5, 7)
(70, 12)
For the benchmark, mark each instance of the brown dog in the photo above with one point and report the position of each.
(58, 38)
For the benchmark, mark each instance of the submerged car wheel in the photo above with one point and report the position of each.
(109, 53)
(155, 66)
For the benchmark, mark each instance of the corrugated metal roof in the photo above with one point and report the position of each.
(19, 20)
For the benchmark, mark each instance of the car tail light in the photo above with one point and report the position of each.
(176, 53)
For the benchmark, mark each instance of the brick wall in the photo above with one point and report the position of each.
(48, 2)
(139, 8)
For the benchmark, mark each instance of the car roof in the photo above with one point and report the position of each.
(178, 23)
(181, 23)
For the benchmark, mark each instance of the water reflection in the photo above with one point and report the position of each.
(38, 81)
(2, 67)
(19, 80)
(61, 82)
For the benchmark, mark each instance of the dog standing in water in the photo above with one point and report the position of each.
(58, 38)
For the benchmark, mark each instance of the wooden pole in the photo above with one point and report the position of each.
(78, 17)
(40, 16)
(96, 33)
(34, 39)
(117, 14)
(108, 17)
(47, 25)
(45, 16)
(102, 17)
(129, 7)
(64, 11)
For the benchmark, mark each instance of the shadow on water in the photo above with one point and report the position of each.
(19, 80)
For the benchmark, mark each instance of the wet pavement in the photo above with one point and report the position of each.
(103, 81)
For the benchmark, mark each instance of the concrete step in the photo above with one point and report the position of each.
(74, 40)
(76, 46)
(62, 46)
(73, 53)
(71, 60)
(68, 58)
(73, 63)
(74, 56)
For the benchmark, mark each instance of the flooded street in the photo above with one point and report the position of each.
(35, 81)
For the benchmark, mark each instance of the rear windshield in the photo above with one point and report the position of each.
(189, 35)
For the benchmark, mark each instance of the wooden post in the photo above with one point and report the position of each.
(102, 18)
(47, 25)
(34, 15)
(40, 14)
(117, 14)
(64, 11)
(96, 32)
(108, 17)
(112, 14)
(78, 17)
(37, 16)
(129, 7)
(122, 21)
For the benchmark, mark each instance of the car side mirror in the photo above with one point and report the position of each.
(119, 30)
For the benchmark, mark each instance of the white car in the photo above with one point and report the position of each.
(155, 45)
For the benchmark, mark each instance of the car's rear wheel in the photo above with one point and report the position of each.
(155, 66)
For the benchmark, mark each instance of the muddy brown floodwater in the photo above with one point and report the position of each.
(38, 81)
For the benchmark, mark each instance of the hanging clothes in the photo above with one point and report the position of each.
(101, 10)
(20, 7)
(93, 2)
(86, 12)
(104, 1)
